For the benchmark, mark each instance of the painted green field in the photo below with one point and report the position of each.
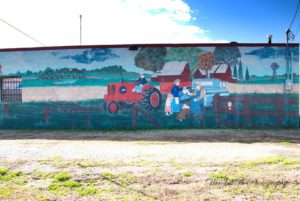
(91, 114)
(104, 78)
(268, 80)
(91, 79)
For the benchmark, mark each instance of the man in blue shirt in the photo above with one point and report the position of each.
(139, 83)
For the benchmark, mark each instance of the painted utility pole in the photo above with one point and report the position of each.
(289, 69)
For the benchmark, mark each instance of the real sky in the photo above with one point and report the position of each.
(56, 22)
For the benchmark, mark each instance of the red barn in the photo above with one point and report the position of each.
(219, 71)
(171, 71)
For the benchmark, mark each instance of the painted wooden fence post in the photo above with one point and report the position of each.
(46, 115)
(217, 103)
(87, 119)
(6, 109)
(134, 114)
(247, 110)
(279, 105)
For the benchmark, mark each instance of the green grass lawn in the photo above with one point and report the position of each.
(144, 170)
(264, 179)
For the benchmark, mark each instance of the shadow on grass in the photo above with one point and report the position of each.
(284, 136)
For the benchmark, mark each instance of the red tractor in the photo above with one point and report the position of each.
(120, 94)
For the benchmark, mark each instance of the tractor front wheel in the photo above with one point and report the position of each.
(112, 107)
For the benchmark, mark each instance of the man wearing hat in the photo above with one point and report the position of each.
(139, 83)
(198, 99)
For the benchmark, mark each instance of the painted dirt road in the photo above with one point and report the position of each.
(42, 94)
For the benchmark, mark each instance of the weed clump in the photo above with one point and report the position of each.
(220, 176)
(89, 190)
(274, 161)
(63, 176)
(108, 175)
(3, 171)
(63, 184)
(122, 179)
(187, 174)
(5, 192)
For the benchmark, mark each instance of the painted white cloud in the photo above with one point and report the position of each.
(56, 22)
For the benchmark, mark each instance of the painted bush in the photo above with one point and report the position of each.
(174, 86)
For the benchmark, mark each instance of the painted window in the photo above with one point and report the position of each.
(11, 90)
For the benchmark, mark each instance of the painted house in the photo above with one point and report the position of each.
(219, 71)
(171, 71)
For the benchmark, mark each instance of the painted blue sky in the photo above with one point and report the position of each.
(99, 58)
(145, 21)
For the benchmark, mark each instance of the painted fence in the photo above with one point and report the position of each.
(282, 114)
(151, 86)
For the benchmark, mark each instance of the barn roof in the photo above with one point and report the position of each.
(222, 69)
(173, 68)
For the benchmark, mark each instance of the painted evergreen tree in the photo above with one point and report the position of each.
(240, 71)
(274, 67)
(235, 74)
(48, 71)
(247, 76)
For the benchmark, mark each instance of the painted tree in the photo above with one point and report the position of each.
(227, 55)
(48, 71)
(29, 72)
(189, 54)
(274, 67)
(235, 71)
(240, 71)
(151, 58)
(247, 76)
(206, 62)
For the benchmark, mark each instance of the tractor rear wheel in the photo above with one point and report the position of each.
(112, 107)
(152, 99)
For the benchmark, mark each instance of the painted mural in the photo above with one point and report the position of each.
(222, 86)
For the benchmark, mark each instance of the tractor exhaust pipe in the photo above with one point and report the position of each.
(122, 80)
